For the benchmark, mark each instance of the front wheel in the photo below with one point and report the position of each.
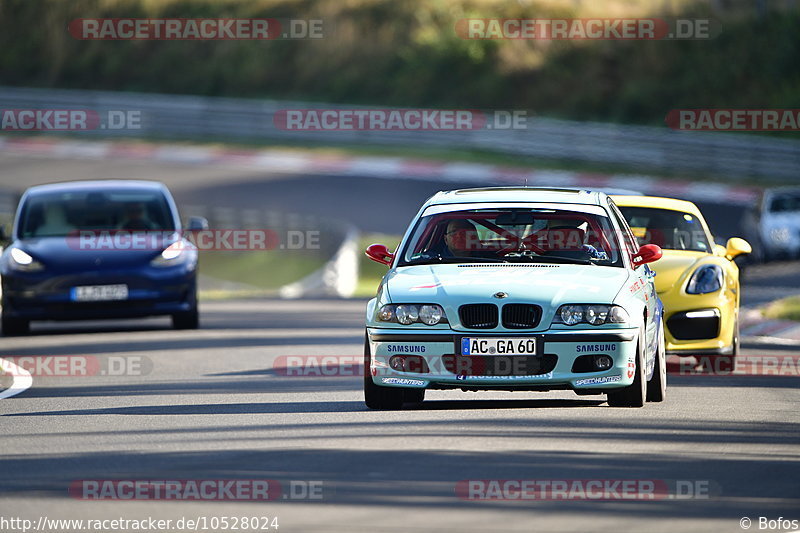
(186, 320)
(735, 343)
(657, 386)
(385, 398)
(634, 394)
(13, 327)
(413, 395)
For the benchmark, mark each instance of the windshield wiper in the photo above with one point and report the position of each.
(559, 259)
(439, 258)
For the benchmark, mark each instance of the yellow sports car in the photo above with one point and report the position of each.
(696, 279)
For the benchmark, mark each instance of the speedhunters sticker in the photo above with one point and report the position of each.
(405, 381)
(597, 381)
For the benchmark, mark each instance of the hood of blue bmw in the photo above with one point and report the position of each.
(548, 285)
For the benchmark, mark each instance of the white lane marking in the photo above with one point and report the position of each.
(22, 379)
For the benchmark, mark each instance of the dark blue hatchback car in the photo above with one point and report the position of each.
(98, 249)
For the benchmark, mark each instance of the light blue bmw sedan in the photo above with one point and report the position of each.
(522, 289)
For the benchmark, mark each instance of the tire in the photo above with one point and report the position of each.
(13, 327)
(657, 386)
(735, 344)
(413, 395)
(186, 320)
(633, 395)
(377, 397)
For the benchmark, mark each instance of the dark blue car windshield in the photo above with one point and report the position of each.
(63, 213)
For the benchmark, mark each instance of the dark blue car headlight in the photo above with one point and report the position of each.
(21, 260)
(706, 279)
(176, 254)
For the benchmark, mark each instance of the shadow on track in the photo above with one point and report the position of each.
(314, 407)
(415, 479)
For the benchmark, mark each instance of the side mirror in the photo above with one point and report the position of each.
(736, 246)
(647, 254)
(197, 224)
(380, 254)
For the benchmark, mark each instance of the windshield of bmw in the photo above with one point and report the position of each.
(671, 230)
(512, 236)
(64, 213)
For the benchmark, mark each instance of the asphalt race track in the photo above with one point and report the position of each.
(214, 404)
(211, 405)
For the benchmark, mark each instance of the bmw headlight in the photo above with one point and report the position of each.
(571, 314)
(407, 314)
(428, 314)
(706, 279)
(22, 260)
(594, 314)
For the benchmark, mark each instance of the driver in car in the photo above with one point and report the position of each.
(135, 218)
(461, 239)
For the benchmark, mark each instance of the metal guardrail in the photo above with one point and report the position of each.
(731, 155)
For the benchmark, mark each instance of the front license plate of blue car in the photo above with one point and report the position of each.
(99, 293)
(498, 346)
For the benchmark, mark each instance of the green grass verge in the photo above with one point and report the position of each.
(261, 274)
(257, 273)
(370, 273)
(785, 309)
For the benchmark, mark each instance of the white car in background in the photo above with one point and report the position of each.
(775, 224)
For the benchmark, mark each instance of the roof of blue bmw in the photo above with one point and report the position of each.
(517, 194)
